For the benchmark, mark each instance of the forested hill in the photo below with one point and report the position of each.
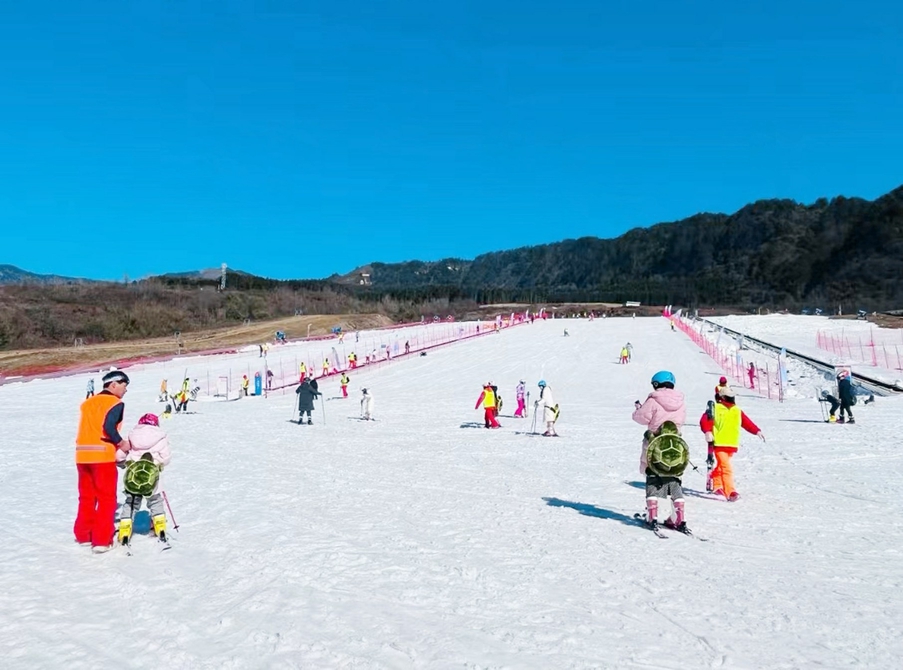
(772, 252)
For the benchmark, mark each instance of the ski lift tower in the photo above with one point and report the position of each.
(222, 277)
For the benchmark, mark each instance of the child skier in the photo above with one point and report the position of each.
(625, 356)
(549, 408)
(144, 462)
(521, 403)
(366, 405)
(664, 405)
(722, 429)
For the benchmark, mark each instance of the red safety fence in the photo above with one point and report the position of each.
(884, 354)
(764, 379)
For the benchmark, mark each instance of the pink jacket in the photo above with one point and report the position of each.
(147, 439)
(661, 405)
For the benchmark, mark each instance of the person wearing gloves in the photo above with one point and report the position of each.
(488, 401)
(519, 392)
(549, 408)
(96, 446)
(148, 442)
(665, 403)
(722, 430)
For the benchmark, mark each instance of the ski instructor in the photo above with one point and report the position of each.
(95, 459)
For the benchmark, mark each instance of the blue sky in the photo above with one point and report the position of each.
(300, 139)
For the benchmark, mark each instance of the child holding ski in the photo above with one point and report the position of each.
(663, 413)
(723, 425)
(144, 462)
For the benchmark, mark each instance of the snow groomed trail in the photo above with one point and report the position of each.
(423, 540)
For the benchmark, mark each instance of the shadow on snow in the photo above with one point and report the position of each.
(592, 510)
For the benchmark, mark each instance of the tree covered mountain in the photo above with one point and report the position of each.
(773, 252)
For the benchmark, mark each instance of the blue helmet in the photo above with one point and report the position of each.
(663, 377)
(542, 382)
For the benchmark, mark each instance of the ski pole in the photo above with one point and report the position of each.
(175, 524)
(691, 465)
(533, 427)
(323, 406)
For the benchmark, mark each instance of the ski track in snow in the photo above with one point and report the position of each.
(418, 541)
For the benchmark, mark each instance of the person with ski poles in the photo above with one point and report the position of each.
(89, 391)
(725, 425)
(662, 413)
(96, 444)
(548, 406)
(306, 395)
(521, 412)
(148, 443)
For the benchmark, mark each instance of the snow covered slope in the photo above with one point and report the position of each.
(423, 540)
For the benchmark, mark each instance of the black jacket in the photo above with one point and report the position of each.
(306, 394)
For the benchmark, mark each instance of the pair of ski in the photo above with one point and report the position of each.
(163, 545)
(657, 529)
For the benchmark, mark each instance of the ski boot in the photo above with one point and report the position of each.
(160, 527)
(833, 419)
(734, 497)
(851, 420)
(310, 422)
(125, 531)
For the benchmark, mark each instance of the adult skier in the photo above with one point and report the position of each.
(665, 405)
(488, 402)
(366, 405)
(96, 444)
(89, 391)
(306, 395)
(724, 427)
(847, 396)
(548, 406)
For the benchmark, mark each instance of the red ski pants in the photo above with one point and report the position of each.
(344, 391)
(96, 503)
(489, 416)
(723, 473)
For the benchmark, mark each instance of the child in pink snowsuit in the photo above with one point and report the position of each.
(521, 412)
(663, 404)
(150, 441)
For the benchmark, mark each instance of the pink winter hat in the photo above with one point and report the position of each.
(149, 420)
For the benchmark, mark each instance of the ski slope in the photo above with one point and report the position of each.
(423, 540)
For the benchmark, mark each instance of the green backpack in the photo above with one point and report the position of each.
(141, 476)
(667, 454)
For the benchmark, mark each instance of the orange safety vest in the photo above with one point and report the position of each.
(92, 445)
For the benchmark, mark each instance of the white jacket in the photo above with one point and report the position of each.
(547, 403)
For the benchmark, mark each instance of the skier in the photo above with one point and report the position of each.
(181, 401)
(164, 392)
(549, 408)
(366, 405)
(847, 396)
(343, 382)
(306, 396)
(407, 347)
(724, 425)
(752, 375)
(566, 334)
(150, 444)
(672, 326)
(521, 411)
(625, 356)
(89, 391)
(664, 404)
(325, 367)
(96, 445)
(302, 371)
(269, 379)
(629, 348)
(487, 400)
(245, 382)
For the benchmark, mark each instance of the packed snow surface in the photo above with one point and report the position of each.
(423, 540)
